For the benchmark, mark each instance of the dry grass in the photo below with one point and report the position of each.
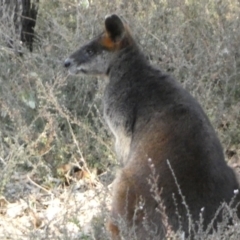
(49, 119)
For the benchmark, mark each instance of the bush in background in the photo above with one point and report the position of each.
(48, 118)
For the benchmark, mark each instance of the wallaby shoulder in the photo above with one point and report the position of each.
(136, 89)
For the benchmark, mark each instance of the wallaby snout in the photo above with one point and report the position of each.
(71, 66)
(67, 63)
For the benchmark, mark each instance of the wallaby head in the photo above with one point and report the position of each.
(95, 57)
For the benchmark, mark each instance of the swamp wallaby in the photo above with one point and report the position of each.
(173, 167)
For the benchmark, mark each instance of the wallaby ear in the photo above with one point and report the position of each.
(114, 27)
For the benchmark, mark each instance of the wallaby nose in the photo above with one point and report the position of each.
(67, 63)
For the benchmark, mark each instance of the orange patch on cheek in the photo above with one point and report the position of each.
(107, 42)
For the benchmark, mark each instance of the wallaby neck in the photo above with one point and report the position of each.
(126, 61)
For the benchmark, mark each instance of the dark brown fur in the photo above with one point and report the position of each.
(154, 120)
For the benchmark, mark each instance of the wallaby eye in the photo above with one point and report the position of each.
(89, 52)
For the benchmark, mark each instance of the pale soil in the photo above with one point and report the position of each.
(61, 213)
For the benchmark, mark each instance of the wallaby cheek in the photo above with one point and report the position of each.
(99, 64)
